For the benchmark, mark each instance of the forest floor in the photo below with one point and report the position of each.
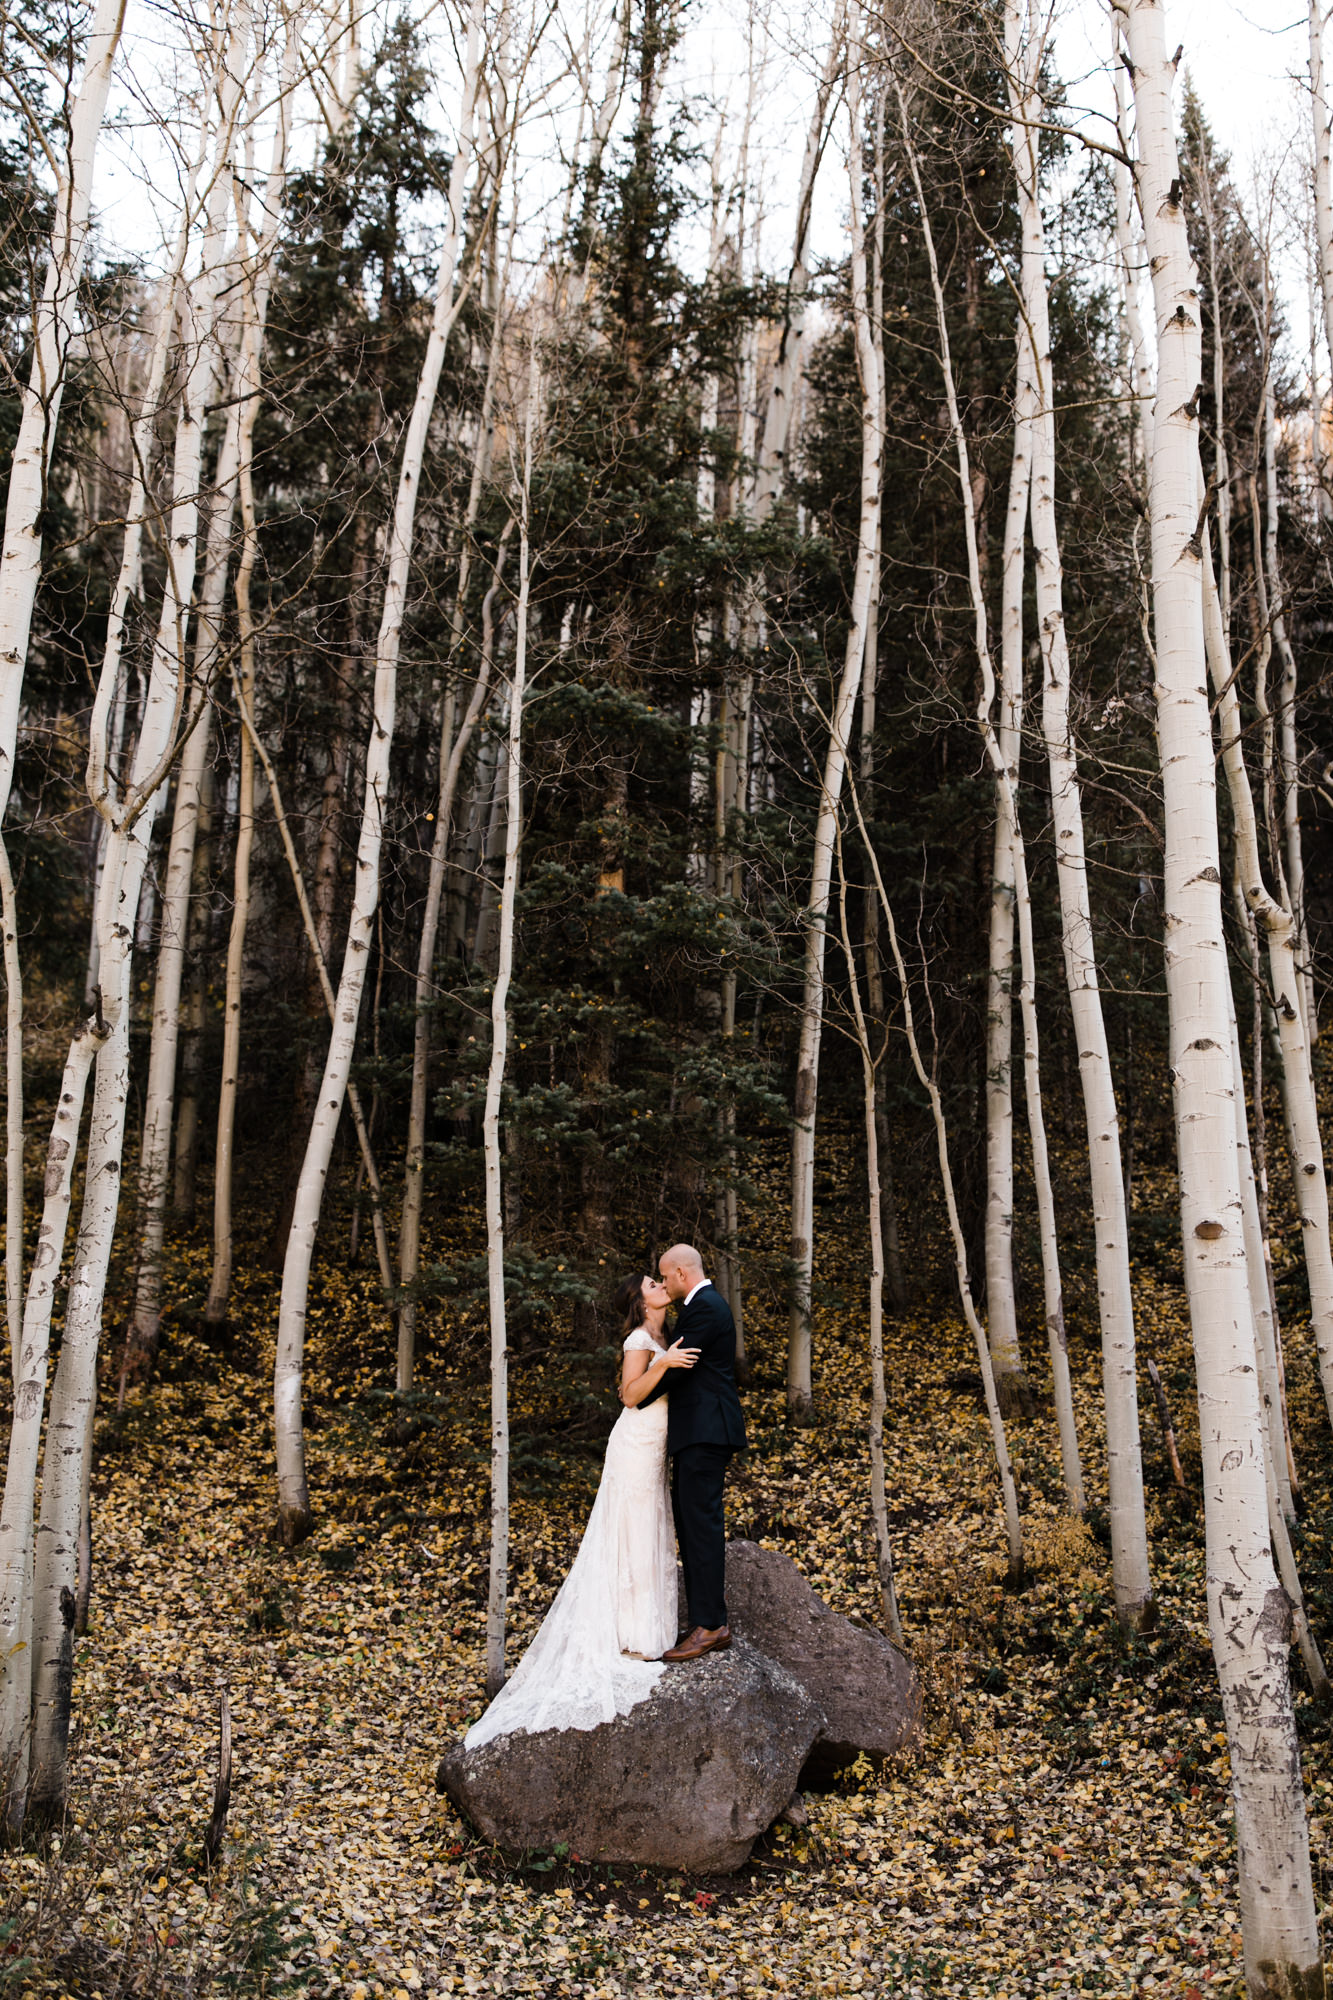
(1063, 1827)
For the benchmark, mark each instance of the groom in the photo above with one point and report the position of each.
(704, 1428)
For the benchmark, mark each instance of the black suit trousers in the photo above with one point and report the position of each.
(698, 1474)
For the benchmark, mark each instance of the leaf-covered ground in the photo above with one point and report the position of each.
(1063, 1827)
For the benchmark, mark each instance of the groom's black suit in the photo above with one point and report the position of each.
(704, 1427)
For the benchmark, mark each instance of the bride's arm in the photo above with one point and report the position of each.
(639, 1375)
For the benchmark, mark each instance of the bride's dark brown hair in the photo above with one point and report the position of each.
(629, 1303)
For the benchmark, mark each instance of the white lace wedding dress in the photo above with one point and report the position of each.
(618, 1599)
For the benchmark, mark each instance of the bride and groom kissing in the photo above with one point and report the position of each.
(612, 1630)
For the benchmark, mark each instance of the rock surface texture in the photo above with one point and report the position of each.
(688, 1779)
(866, 1688)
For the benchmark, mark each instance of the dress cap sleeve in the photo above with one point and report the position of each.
(641, 1341)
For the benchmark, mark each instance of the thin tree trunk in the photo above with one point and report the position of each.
(9, 933)
(1323, 175)
(185, 1146)
(409, 1239)
(800, 1398)
(1001, 1305)
(870, 1065)
(1131, 1573)
(293, 1494)
(1300, 1105)
(1288, 758)
(498, 1589)
(69, 1429)
(1052, 1287)
(926, 1078)
(1249, 1614)
(16, 1513)
(55, 320)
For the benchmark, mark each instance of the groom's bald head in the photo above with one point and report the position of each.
(682, 1267)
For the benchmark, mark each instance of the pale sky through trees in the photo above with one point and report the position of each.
(1249, 74)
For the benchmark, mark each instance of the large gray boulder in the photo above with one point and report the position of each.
(688, 1779)
(866, 1687)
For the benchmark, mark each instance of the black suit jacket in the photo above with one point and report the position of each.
(704, 1407)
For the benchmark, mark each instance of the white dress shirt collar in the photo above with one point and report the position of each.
(693, 1289)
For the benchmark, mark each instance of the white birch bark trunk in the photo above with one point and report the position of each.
(452, 750)
(293, 1494)
(1299, 1101)
(39, 414)
(9, 934)
(498, 1586)
(1001, 1305)
(778, 410)
(69, 1426)
(253, 269)
(800, 1398)
(1249, 1615)
(1288, 757)
(1323, 170)
(17, 1509)
(879, 1509)
(985, 704)
(1052, 1288)
(1139, 370)
(925, 1076)
(409, 1244)
(1265, 1326)
(160, 1085)
(1131, 1573)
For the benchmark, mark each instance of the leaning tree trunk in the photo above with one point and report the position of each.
(1131, 1574)
(800, 1399)
(293, 1494)
(1249, 1615)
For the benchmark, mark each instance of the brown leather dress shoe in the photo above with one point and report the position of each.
(699, 1642)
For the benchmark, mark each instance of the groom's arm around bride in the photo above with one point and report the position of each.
(704, 1427)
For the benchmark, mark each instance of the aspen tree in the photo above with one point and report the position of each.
(452, 749)
(254, 300)
(409, 1246)
(926, 1078)
(498, 1586)
(800, 1400)
(985, 704)
(293, 1495)
(870, 1064)
(1001, 1305)
(1124, 1457)
(1249, 1615)
(252, 278)
(54, 326)
(1273, 616)
(1323, 171)
(68, 1435)
(39, 413)
(1012, 909)
(779, 405)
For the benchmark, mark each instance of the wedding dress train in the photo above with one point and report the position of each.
(619, 1598)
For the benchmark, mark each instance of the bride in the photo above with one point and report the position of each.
(599, 1648)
